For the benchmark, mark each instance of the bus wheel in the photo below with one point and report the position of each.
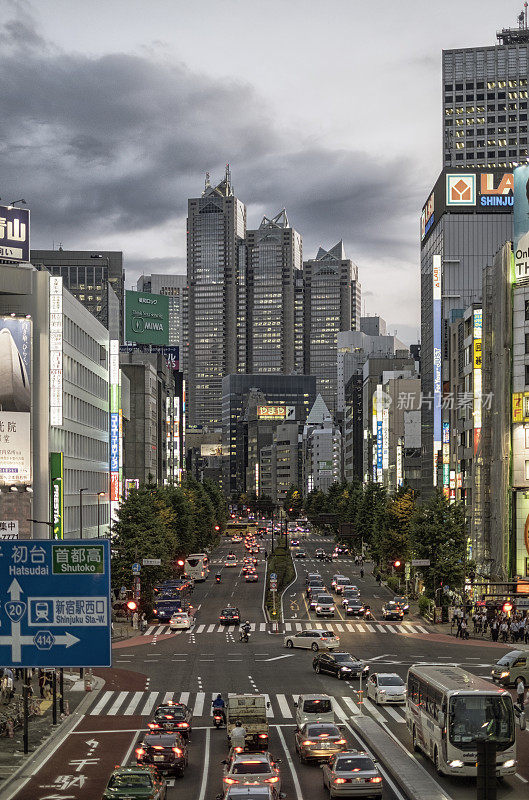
(414, 740)
(436, 762)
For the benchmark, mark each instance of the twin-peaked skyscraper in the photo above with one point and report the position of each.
(254, 306)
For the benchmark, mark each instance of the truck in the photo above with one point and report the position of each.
(250, 710)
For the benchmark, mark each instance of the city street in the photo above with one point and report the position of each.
(194, 666)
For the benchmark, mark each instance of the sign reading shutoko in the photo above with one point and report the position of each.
(55, 603)
(14, 233)
(15, 400)
(146, 318)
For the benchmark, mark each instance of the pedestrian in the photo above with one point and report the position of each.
(494, 629)
(504, 631)
(42, 682)
(135, 620)
(143, 621)
(463, 628)
(266, 553)
(520, 692)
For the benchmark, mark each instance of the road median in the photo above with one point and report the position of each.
(279, 563)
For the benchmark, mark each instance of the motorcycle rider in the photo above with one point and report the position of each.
(245, 631)
(219, 705)
(218, 577)
(238, 735)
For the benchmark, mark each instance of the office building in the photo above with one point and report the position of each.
(175, 288)
(95, 277)
(216, 228)
(57, 354)
(274, 318)
(322, 449)
(464, 222)
(485, 102)
(280, 463)
(288, 398)
(332, 304)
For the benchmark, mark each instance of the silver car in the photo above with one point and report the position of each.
(252, 769)
(352, 774)
(313, 640)
(386, 687)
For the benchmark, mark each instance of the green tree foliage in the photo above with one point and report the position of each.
(293, 503)
(218, 501)
(182, 532)
(202, 513)
(371, 516)
(393, 540)
(438, 532)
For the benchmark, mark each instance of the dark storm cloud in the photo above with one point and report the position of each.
(116, 144)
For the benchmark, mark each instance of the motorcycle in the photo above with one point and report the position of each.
(218, 578)
(218, 718)
(245, 636)
(368, 614)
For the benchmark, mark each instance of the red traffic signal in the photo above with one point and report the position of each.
(217, 527)
(132, 605)
(396, 564)
(180, 562)
(507, 607)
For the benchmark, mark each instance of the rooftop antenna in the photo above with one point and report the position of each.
(228, 174)
(525, 13)
(207, 184)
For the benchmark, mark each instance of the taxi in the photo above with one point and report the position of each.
(142, 781)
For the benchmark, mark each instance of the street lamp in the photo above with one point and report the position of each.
(81, 510)
(99, 496)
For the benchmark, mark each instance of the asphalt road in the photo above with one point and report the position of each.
(195, 666)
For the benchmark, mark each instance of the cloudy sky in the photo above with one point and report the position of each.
(113, 110)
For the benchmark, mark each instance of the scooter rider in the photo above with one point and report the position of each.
(218, 577)
(238, 735)
(219, 705)
(245, 631)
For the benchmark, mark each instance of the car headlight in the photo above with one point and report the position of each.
(508, 764)
(365, 669)
(345, 669)
(505, 674)
(382, 691)
(456, 763)
(331, 608)
(318, 608)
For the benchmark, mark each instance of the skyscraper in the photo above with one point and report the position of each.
(274, 264)
(485, 96)
(216, 228)
(332, 304)
(175, 288)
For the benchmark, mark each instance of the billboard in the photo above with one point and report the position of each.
(276, 412)
(57, 495)
(146, 318)
(170, 351)
(437, 310)
(210, 450)
(467, 191)
(15, 400)
(14, 233)
(521, 224)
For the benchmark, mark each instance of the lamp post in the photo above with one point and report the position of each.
(85, 489)
(99, 496)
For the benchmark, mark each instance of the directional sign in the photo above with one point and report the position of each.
(420, 562)
(55, 603)
(136, 568)
(273, 576)
(151, 562)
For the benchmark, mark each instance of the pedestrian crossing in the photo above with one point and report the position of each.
(403, 628)
(282, 706)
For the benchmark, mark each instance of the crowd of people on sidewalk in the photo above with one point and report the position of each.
(9, 678)
(500, 626)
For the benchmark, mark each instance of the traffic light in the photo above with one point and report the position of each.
(507, 607)
(217, 527)
(180, 562)
(396, 564)
(132, 605)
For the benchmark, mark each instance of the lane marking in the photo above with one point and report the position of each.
(116, 704)
(133, 703)
(147, 708)
(199, 704)
(350, 703)
(130, 748)
(394, 713)
(104, 700)
(398, 794)
(283, 706)
(290, 762)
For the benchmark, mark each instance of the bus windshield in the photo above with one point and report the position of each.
(474, 717)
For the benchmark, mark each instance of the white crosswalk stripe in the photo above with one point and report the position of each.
(200, 629)
(211, 628)
(282, 706)
(402, 629)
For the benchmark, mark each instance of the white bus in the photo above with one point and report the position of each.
(197, 566)
(449, 709)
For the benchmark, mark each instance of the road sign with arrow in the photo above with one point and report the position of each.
(55, 603)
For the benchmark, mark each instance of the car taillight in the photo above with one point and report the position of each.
(157, 747)
(230, 781)
(342, 780)
(238, 749)
(307, 741)
(376, 779)
(155, 611)
(263, 736)
(177, 751)
(140, 751)
(341, 741)
(153, 726)
(272, 780)
(183, 724)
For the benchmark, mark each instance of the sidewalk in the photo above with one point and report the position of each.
(40, 724)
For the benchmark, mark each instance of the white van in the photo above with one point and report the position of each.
(314, 708)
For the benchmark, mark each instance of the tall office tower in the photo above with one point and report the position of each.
(175, 288)
(273, 266)
(216, 227)
(485, 102)
(95, 277)
(332, 304)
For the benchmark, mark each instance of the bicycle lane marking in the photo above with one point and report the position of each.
(81, 766)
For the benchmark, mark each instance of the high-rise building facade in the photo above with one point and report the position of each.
(332, 303)
(175, 288)
(95, 277)
(485, 97)
(216, 228)
(274, 263)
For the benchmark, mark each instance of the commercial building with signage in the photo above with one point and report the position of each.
(146, 318)
(174, 287)
(58, 402)
(277, 392)
(466, 219)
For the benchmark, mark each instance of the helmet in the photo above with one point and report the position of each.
(247, 622)
(238, 723)
(219, 697)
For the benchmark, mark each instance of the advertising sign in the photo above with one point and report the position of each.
(522, 531)
(14, 233)
(521, 223)
(55, 604)
(8, 528)
(15, 400)
(437, 309)
(207, 450)
(57, 494)
(146, 318)
(517, 407)
(170, 351)
(276, 412)
(56, 366)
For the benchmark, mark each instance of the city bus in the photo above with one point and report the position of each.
(196, 566)
(448, 709)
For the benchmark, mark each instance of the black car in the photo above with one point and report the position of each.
(320, 553)
(300, 554)
(167, 751)
(354, 608)
(172, 717)
(314, 588)
(230, 616)
(341, 665)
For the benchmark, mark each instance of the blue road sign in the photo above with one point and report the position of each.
(136, 568)
(55, 603)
